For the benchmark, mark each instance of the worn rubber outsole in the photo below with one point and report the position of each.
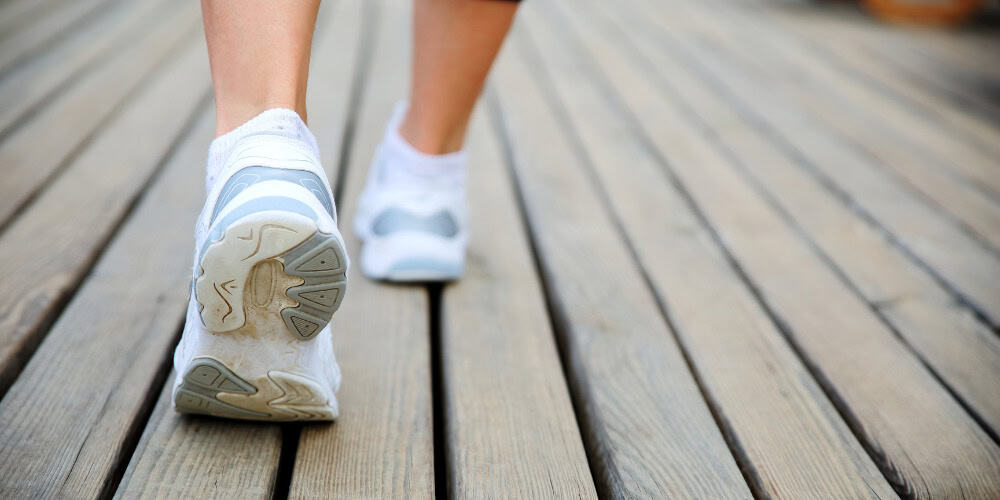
(209, 387)
(276, 258)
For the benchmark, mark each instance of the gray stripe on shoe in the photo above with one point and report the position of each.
(394, 220)
(249, 176)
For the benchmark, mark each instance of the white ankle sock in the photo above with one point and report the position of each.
(403, 164)
(278, 121)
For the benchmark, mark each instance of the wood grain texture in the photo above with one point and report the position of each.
(900, 125)
(927, 233)
(510, 427)
(74, 216)
(381, 446)
(854, 58)
(951, 65)
(186, 456)
(858, 359)
(967, 357)
(648, 430)
(964, 51)
(36, 151)
(791, 437)
(66, 424)
(15, 14)
(334, 66)
(962, 85)
(896, 138)
(35, 83)
(35, 34)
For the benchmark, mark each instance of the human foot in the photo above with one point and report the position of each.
(412, 212)
(270, 271)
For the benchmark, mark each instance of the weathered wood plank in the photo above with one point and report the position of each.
(382, 444)
(334, 67)
(45, 252)
(952, 174)
(16, 14)
(928, 236)
(34, 36)
(509, 422)
(68, 423)
(182, 456)
(970, 53)
(646, 426)
(905, 123)
(967, 358)
(964, 88)
(35, 83)
(744, 363)
(36, 150)
(953, 65)
(837, 41)
(891, 401)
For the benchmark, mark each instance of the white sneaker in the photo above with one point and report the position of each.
(270, 270)
(412, 212)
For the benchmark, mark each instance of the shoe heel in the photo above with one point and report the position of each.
(272, 265)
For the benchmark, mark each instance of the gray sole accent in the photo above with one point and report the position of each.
(201, 385)
(392, 220)
(424, 269)
(322, 262)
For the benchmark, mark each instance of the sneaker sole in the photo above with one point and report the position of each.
(209, 387)
(442, 273)
(408, 257)
(272, 261)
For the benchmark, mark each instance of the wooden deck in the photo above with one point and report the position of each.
(721, 249)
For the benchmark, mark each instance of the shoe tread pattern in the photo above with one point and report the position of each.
(321, 262)
(293, 396)
(202, 383)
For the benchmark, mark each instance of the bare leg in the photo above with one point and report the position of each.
(259, 54)
(455, 42)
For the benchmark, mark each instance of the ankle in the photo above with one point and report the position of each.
(233, 115)
(402, 164)
(432, 138)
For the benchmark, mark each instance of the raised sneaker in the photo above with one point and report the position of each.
(270, 270)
